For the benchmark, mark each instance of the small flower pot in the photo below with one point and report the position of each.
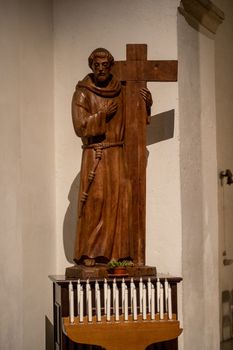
(118, 271)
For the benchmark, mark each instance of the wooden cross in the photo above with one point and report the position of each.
(134, 73)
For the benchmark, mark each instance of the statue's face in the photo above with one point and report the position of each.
(101, 69)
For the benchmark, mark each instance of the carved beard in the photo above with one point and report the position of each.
(111, 90)
(102, 80)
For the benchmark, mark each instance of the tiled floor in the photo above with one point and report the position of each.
(227, 345)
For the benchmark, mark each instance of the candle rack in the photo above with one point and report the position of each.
(130, 335)
(113, 330)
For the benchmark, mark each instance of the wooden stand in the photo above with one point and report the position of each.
(111, 335)
(130, 335)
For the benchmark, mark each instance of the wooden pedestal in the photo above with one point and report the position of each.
(101, 271)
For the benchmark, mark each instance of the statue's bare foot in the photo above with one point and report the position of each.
(89, 262)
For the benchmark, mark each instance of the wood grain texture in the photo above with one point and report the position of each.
(133, 335)
(146, 70)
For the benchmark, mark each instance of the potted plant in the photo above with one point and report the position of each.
(119, 268)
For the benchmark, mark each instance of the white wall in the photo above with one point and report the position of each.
(27, 173)
(198, 188)
(224, 107)
(11, 242)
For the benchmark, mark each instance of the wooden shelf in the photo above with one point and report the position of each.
(112, 335)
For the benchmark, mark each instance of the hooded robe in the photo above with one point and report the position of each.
(103, 227)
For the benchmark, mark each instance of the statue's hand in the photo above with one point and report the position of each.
(146, 95)
(111, 109)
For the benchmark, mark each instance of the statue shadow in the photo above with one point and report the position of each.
(161, 127)
(49, 334)
(70, 220)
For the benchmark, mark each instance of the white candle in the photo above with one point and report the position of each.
(89, 305)
(105, 296)
(114, 296)
(81, 305)
(166, 294)
(135, 315)
(122, 295)
(161, 312)
(132, 286)
(169, 303)
(109, 304)
(158, 293)
(126, 305)
(144, 302)
(98, 305)
(96, 285)
(96, 292)
(78, 297)
(117, 304)
(152, 302)
(149, 293)
(71, 302)
(96, 288)
(87, 289)
(140, 295)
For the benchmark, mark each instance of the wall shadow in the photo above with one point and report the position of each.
(70, 220)
(227, 314)
(49, 332)
(161, 127)
(165, 345)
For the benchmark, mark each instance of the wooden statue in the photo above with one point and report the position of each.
(104, 229)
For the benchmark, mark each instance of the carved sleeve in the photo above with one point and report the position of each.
(86, 124)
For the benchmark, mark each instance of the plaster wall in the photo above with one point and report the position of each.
(11, 239)
(224, 107)
(198, 188)
(27, 173)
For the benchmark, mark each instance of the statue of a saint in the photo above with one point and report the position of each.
(98, 111)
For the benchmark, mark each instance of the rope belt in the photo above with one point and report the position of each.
(103, 145)
(98, 147)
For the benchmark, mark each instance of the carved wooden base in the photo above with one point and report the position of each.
(101, 271)
(84, 272)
